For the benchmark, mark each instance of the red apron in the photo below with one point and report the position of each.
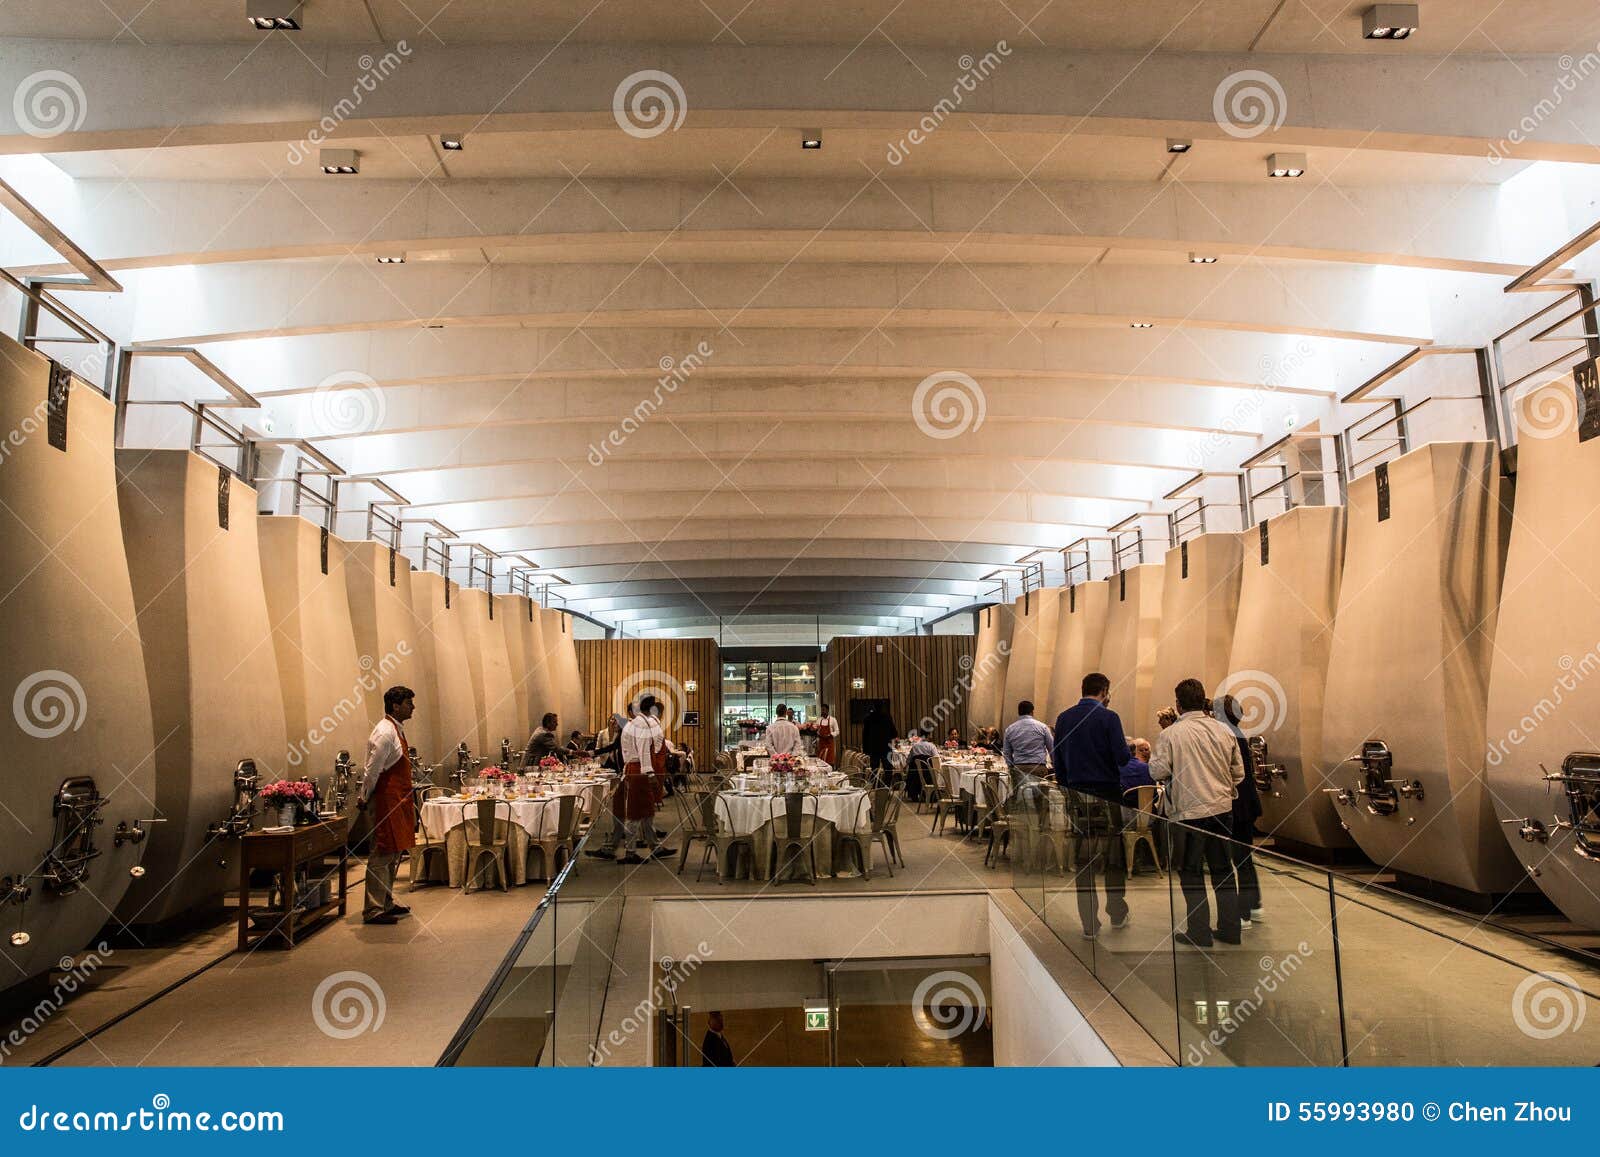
(393, 807)
(825, 743)
(638, 791)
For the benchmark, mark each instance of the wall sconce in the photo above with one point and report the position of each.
(858, 684)
(691, 686)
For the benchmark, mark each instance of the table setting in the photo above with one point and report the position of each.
(756, 801)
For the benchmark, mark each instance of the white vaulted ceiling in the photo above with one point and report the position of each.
(561, 264)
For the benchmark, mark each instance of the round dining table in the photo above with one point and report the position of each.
(759, 814)
(444, 819)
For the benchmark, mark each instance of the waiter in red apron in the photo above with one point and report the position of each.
(386, 797)
(643, 783)
(827, 736)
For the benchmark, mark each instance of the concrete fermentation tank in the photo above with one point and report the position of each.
(1408, 675)
(1199, 606)
(537, 686)
(511, 613)
(1050, 600)
(566, 681)
(1080, 636)
(490, 671)
(444, 654)
(79, 729)
(1288, 594)
(1027, 639)
(324, 679)
(385, 630)
(1544, 685)
(191, 532)
(990, 657)
(1128, 651)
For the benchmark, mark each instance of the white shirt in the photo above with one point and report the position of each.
(641, 737)
(830, 723)
(783, 737)
(383, 752)
(1201, 758)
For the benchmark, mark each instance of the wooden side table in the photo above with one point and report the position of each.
(285, 853)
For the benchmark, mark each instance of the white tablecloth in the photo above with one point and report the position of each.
(749, 811)
(537, 817)
(968, 777)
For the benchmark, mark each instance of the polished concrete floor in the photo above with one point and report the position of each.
(1419, 986)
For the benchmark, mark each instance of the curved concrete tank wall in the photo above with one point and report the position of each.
(1199, 606)
(565, 679)
(324, 683)
(490, 671)
(1027, 627)
(1050, 600)
(385, 630)
(990, 658)
(539, 687)
(1410, 662)
(209, 661)
(1279, 664)
(72, 669)
(511, 615)
(1544, 686)
(1080, 634)
(1128, 650)
(444, 653)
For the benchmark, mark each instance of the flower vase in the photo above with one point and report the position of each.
(286, 815)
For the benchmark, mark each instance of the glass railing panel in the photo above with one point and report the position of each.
(1428, 986)
(586, 942)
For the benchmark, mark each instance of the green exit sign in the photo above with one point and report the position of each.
(817, 1020)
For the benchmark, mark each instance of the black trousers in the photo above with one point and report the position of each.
(1244, 866)
(1097, 846)
(880, 768)
(1200, 846)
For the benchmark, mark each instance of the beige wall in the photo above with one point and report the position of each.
(1028, 621)
(539, 687)
(1410, 662)
(1080, 633)
(490, 673)
(1128, 651)
(562, 658)
(1044, 660)
(1198, 612)
(990, 658)
(444, 651)
(1279, 664)
(209, 661)
(511, 614)
(68, 622)
(385, 631)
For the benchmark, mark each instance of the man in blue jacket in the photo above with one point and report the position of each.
(1090, 751)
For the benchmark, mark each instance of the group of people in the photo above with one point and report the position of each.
(783, 734)
(1203, 760)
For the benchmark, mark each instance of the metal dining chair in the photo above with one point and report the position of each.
(697, 820)
(794, 841)
(876, 815)
(423, 848)
(487, 838)
(556, 849)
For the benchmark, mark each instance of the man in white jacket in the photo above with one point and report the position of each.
(1198, 758)
(783, 737)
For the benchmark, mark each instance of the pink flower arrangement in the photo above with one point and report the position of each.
(497, 773)
(784, 765)
(549, 763)
(952, 744)
(288, 791)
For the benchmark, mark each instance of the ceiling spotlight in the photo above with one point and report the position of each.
(1201, 259)
(1141, 325)
(452, 142)
(810, 140)
(1178, 145)
(19, 939)
(391, 259)
(1286, 165)
(339, 161)
(269, 15)
(1389, 21)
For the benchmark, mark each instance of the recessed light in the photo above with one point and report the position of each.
(1141, 324)
(452, 142)
(391, 259)
(1389, 21)
(1202, 259)
(810, 140)
(339, 161)
(1178, 145)
(273, 15)
(1286, 165)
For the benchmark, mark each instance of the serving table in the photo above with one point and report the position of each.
(285, 852)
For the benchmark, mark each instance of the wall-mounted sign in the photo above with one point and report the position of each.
(817, 1016)
(691, 686)
(691, 719)
(858, 683)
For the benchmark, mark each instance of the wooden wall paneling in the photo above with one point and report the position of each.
(926, 678)
(616, 672)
